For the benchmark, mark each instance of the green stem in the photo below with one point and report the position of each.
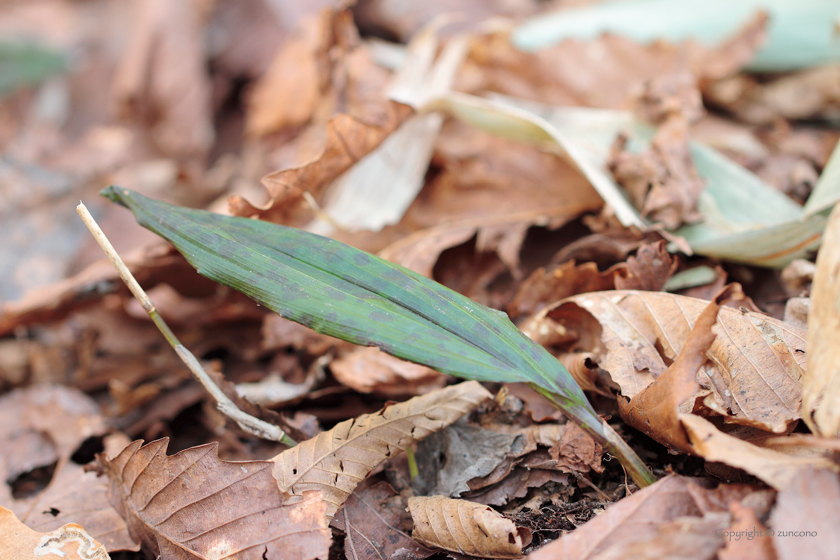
(601, 432)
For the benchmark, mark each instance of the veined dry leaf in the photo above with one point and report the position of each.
(375, 520)
(71, 542)
(668, 516)
(655, 410)
(334, 462)
(779, 470)
(754, 368)
(192, 505)
(466, 528)
(821, 381)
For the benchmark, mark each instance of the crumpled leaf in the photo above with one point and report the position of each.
(754, 368)
(810, 503)
(466, 528)
(821, 380)
(779, 470)
(375, 521)
(42, 427)
(334, 462)
(655, 410)
(70, 541)
(546, 285)
(649, 270)
(192, 505)
(677, 515)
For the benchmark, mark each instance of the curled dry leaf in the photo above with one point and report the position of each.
(334, 462)
(655, 411)
(71, 542)
(821, 381)
(466, 528)
(648, 270)
(753, 371)
(193, 505)
(777, 469)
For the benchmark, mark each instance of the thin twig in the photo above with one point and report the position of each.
(226, 406)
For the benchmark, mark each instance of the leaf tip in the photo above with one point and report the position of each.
(114, 194)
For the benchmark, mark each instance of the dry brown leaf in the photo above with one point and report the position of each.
(19, 542)
(779, 470)
(546, 285)
(755, 543)
(370, 370)
(334, 462)
(675, 514)
(376, 522)
(466, 528)
(821, 381)
(754, 368)
(162, 79)
(807, 515)
(347, 140)
(192, 505)
(655, 411)
(648, 270)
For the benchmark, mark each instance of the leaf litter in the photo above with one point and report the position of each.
(196, 103)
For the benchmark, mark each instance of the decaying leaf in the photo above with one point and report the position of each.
(71, 542)
(192, 505)
(821, 381)
(376, 522)
(754, 368)
(465, 527)
(806, 516)
(655, 410)
(757, 546)
(546, 285)
(334, 462)
(676, 517)
(648, 270)
(777, 469)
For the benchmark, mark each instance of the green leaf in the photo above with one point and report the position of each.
(341, 291)
(26, 64)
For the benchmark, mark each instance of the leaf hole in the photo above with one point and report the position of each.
(511, 538)
(31, 483)
(87, 450)
(294, 471)
(52, 511)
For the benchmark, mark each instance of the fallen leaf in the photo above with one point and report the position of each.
(656, 409)
(821, 380)
(334, 462)
(370, 370)
(376, 522)
(676, 515)
(777, 469)
(754, 368)
(22, 543)
(806, 516)
(466, 528)
(748, 538)
(192, 505)
(546, 285)
(162, 81)
(648, 270)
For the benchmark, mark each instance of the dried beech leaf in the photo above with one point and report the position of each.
(821, 381)
(649, 270)
(466, 528)
(655, 411)
(779, 470)
(375, 520)
(754, 368)
(334, 462)
(193, 505)
(71, 542)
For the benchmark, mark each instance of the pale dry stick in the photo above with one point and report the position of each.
(226, 406)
